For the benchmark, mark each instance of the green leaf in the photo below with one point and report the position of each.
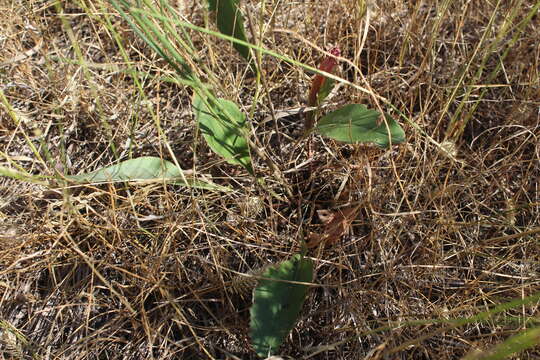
(143, 169)
(230, 22)
(277, 304)
(212, 5)
(223, 126)
(325, 90)
(355, 123)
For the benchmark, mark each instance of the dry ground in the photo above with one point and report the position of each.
(150, 271)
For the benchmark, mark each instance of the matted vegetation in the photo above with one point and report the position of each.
(427, 249)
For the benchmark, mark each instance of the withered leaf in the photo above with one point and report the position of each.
(336, 224)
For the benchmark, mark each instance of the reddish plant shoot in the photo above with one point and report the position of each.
(328, 64)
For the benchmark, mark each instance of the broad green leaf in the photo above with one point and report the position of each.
(230, 22)
(223, 126)
(277, 304)
(143, 169)
(355, 123)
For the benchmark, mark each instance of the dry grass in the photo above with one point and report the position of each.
(150, 271)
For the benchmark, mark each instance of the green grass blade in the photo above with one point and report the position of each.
(155, 38)
(19, 175)
(524, 340)
(263, 51)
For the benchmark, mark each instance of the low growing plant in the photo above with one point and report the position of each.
(278, 298)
